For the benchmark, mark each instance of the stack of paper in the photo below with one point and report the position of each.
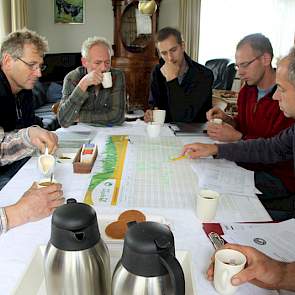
(73, 139)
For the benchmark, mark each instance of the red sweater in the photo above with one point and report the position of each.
(264, 118)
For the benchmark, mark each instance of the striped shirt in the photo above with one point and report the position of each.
(107, 107)
(14, 146)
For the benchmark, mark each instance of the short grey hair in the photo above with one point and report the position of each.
(91, 41)
(13, 43)
(291, 67)
(258, 42)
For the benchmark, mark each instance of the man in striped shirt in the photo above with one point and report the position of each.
(36, 203)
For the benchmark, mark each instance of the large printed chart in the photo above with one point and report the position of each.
(140, 173)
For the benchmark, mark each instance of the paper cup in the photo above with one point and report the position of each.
(227, 263)
(46, 182)
(107, 80)
(207, 201)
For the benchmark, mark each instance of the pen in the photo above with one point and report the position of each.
(216, 240)
(178, 158)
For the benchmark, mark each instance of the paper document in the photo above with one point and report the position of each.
(149, 178)
(276, 240)
(224, 176)
(236, 208)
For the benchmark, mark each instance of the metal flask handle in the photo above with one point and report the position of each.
(175, 272)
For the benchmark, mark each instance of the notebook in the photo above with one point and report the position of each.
(189, 129)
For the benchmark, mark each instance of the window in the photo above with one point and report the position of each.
(224, 23)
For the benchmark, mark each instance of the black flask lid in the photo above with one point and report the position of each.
(74, 226)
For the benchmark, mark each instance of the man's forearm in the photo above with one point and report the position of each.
(14, 146)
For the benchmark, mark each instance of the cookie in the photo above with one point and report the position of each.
(116, 229)
(132, 215)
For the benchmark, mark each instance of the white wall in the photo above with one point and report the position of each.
(168, 13)
(98, 21)
(66, 37)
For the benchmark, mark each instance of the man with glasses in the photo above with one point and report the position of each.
(21, 63)
(179, 85)
(278, 149)
(84, 99)
(258, 115)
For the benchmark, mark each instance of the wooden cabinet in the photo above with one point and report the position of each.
(134, 48)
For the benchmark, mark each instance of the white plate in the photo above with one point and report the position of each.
(105, 220)
(33, 283)
(137, 114)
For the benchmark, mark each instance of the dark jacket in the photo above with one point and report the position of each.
(185, 102)
(262, 150)
(16, 111)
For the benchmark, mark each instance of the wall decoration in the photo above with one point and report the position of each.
(69, 11)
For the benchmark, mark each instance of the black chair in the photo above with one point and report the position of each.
(224, 72)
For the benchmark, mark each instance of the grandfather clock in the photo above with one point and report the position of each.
(134, 48)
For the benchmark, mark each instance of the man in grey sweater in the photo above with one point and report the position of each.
(278, 148)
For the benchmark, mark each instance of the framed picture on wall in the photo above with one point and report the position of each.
(69, 11)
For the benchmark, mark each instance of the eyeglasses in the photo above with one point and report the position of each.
(246, 64)
(33, 66)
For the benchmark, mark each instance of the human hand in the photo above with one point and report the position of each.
(41, 138)
(197, 150)
(92, 78)
(260, 270)
(215, 112)
(170, 71)
(148, 116)
(35, 204)
(223, 132)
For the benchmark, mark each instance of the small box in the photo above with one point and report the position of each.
(79, 167)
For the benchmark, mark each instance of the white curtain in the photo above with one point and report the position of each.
(189, 25)
(224, 23)
(19, 14)
(5, 19)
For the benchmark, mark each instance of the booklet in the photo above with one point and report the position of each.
(188, 129)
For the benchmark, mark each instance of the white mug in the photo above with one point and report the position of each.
(228, 262)
(207, 201)
(107, 80)
(153, 129)
(159, 116)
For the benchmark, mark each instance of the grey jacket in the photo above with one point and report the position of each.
(262, 150)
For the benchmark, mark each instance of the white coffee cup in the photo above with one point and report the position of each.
(107, 80)
(153, 129)
(207, 201)
(228, 262)
(216, 121)
(159, 116)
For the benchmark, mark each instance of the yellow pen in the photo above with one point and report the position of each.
(178, 158)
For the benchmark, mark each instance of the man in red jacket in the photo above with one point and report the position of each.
(258, 115)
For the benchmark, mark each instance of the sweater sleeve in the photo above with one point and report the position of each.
(14, 146)
(261, 150)
(72, 100)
